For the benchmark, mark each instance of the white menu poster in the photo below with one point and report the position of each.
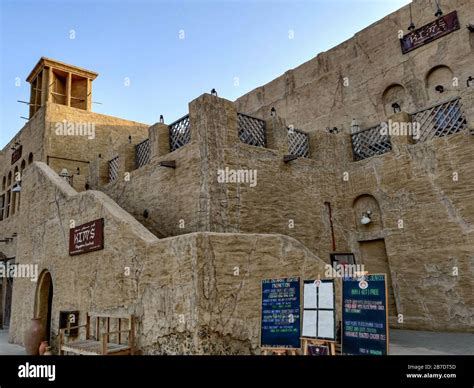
(319, 319)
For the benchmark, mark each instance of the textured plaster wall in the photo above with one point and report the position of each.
(349, 80)
(183, 289)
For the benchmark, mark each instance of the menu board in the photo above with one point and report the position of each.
(364, 316)
(280, 321)
(319, 319)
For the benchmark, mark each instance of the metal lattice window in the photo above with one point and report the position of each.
(251, 130)
(113, 169)
(180, 133)
(298, 143)
(440, 120)
(370, 142)
(142, 153)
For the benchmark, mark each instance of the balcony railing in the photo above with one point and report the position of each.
(298, 143)
(439, 120)
(370, 142)
(142, 153)
(113, 169)
(180, 133)
(251, 130)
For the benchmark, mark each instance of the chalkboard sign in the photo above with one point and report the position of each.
(364, 315)
(280, 321)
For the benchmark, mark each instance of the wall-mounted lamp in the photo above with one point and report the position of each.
(130, 139)
(332, 130)
(273, 112)
(439, 88)
(213, 92)
(162, 119)
(355, 126)
(366, 219)
(439, 11)
(411, 27)
(78, 171)
(470, 82)
(396, 107)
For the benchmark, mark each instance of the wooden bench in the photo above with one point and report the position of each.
(101, 344)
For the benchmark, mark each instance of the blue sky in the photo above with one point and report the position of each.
(140, 40)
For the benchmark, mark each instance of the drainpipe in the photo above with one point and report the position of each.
(328, 205)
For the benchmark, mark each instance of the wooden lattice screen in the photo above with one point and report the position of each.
(180, 133)
(251, 130)
(113, 169)
(142, 153)
(440, 120)
(370, 142)
(298, 143)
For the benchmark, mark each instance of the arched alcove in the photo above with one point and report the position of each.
(394, 94)
(361, 206)
(44, 302)
(439, 82)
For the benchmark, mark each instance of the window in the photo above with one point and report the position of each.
(7, 212)
(2, 206)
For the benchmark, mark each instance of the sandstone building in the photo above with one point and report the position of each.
(185, 251)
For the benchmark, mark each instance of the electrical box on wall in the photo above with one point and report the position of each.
(69, 318)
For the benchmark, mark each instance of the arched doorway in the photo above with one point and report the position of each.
(44, 302)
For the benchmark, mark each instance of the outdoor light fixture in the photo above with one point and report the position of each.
(213, 92)
(396, 107)
(365, 220)
(130, 139)
(411, 27)
(16, 188)
(162, 119)
(355, 126)
(439, 12)
(273, 112)
(78, 171)
(64, 173)
(440, 88)
(470, 82)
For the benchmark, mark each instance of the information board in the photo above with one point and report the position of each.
(364, 315)
(319, 319)
(280, 319)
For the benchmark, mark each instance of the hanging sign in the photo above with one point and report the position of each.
(280, 319)
(87, 237)
(442, 26)
(16, 154)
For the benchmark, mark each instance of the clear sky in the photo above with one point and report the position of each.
(233, 46)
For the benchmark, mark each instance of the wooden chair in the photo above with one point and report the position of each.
(101, 344)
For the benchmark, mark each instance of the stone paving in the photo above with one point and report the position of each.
(402, 342)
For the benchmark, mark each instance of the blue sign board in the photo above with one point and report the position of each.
(280, 324)
(364, 316)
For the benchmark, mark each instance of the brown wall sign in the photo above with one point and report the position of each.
(87, 237)
(16, 155)
(431, 31)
